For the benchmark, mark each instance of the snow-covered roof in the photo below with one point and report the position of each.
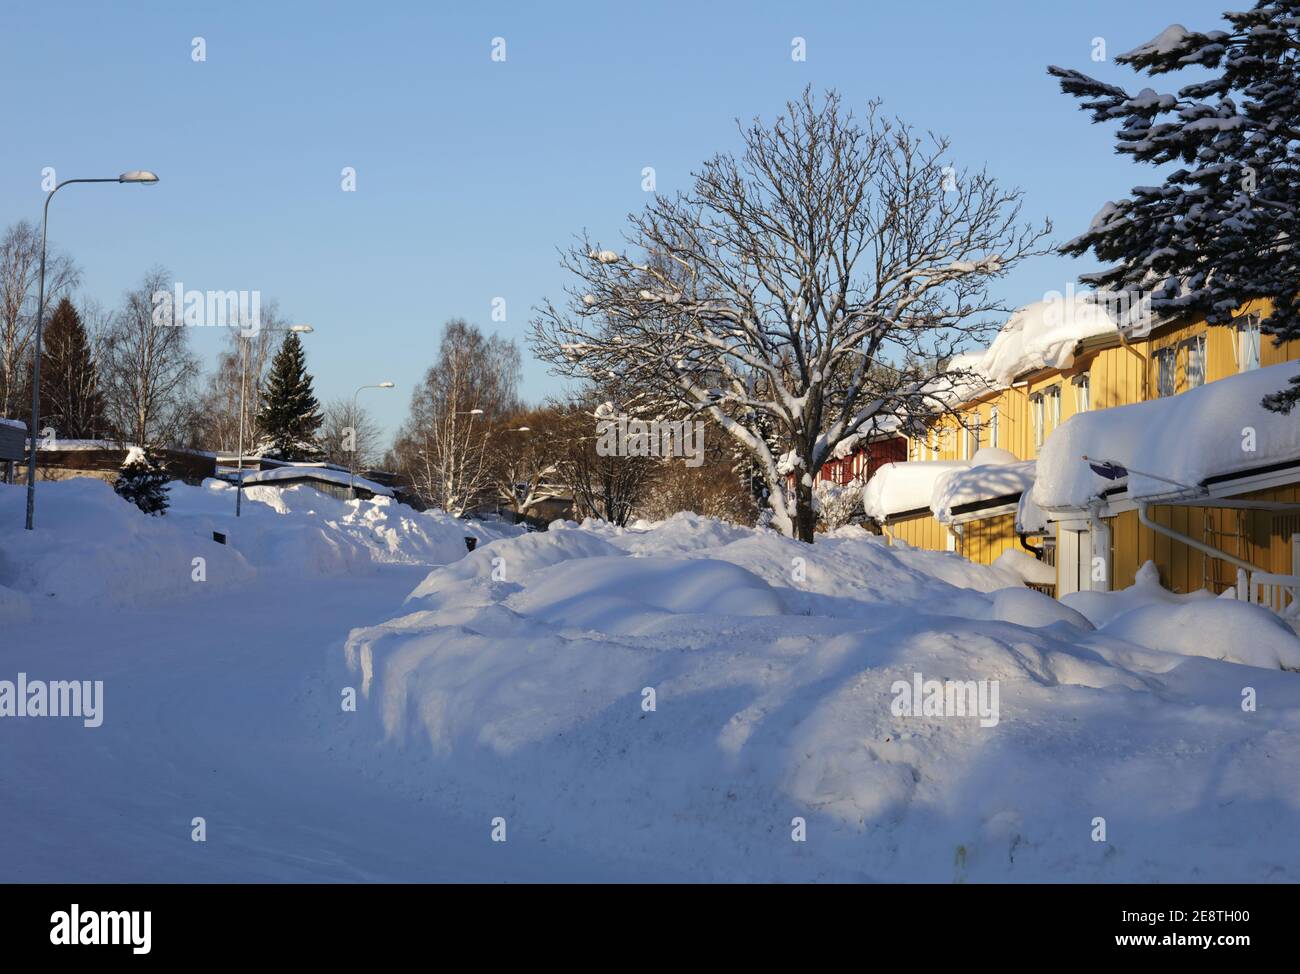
(1043, 335)
(309, 471)
(992, 473)
(15, 423)
(1214, 430)
(906, 485)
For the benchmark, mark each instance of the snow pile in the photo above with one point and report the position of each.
(1222, 629)
(991, 474)
(1043, 335)
(1102, 607)
(905, 486)
(675, 705)
(90, 545)
(1025, 565)
(1218, 428)
(1196, 624)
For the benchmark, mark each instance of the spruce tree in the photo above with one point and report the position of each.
(290, 414)
(71, 401)
(1221, 228)
(142, 482)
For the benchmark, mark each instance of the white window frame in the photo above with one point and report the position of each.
(1037, 411)
(1249, 343)
(1053, 397)
(1167, 356)
(993, 427)
(1196, 349)
(1082, 393)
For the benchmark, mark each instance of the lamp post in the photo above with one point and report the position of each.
(243, 386)
(352, 479)
(141, 176)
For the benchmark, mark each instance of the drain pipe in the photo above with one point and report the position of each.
(1145, 520)
(1100, 531)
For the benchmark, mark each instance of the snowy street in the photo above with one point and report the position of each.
(201, 720)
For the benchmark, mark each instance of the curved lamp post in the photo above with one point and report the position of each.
(141, 176)
(352, 454)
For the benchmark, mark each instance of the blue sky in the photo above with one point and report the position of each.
(470, 173)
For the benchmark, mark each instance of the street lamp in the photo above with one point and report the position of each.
(352, 477)
(243, 386)
(142, 176)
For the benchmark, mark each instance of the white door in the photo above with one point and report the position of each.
(1074, 558)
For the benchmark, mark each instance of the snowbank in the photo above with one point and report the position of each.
(90, 545)
(1222, 629)
(1218, 428)
(1102, 607)
(677, 693)
(1025, 565)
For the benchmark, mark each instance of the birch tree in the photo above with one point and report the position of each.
(20, 267)
(801, 281)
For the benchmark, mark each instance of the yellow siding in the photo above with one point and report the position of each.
(922, 531)
(982, 541)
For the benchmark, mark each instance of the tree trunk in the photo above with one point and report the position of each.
(805, 518)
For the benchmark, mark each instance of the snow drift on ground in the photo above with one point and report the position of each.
(673, 696)
(91, 545)
(1218, 428)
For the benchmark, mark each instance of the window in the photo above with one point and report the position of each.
(1036, 413)
(993, 427)
(1166, 361)
(1196, 362)
(1053, 396)
(1248, 343)
(1082, 393)
(972, 439)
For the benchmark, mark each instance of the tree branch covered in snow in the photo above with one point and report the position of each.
(1218, 231)
(820, 279)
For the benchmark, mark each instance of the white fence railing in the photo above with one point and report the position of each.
(1277, 592)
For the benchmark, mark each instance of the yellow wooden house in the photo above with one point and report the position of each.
(1034, 391)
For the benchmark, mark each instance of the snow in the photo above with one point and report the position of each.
(1222, 629)
(1044, 335)
(990, 475)
(89, 545)
(905, 486)
(526, 696)
(1218, 428)
(316, 472)
(13, 423)
(650, 703)
(1025, 565)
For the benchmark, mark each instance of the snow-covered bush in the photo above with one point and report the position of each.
(836, 504)
(142, 482)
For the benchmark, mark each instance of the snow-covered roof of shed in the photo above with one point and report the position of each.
(906, 485)
(314, 472)
(992, 473)
(15, 423)
(1214, 430)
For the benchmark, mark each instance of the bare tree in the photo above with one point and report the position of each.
(525, 454)
(147, 369)
(219, 427)
(442, 448)
(20, 267)
(349, 437)
(784, 280)
(608, 487)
